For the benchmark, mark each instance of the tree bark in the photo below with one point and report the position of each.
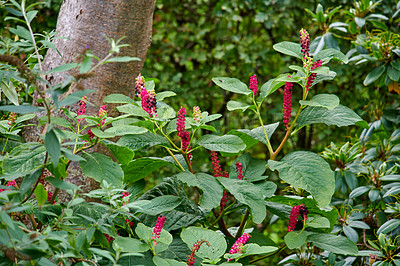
(84, 23)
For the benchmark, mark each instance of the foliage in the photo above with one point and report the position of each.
(211, 214)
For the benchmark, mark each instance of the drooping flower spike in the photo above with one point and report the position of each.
(195, 248)
(158, 227)
(240, 242)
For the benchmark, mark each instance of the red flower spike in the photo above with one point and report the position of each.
(294, 214)
(312, 77)
(305, 42)
(217, 171)
(253, 84)
(158, 227)
(195, 248)
(239, 170)
(287, 103)
(237, 247)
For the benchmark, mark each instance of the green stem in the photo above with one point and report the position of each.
(266, 256)
(242, 224)
(165, 136)
(222, 214)
(269, 146)
(176, 160)
(12, 244)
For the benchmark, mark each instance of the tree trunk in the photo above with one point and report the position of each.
(87, 23)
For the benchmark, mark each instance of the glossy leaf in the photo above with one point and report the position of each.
(374, 75)
(334, 244)
(226, 143)
(295, 240)
(52, 146)
(232, 84)
(289, 48)
(328, 101)
(140, 168)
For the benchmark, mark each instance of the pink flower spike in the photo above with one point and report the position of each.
(287, 103)
(158, 227)
(82, 107)
(294, 214)
(240, 242)
(305, 42)
(139, 84)
(103, 113)
(239, 170)
(180, 124)
(312, 77)
(253, 84)
(217, 171)
(90, 135)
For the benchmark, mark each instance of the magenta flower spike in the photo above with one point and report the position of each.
(240, 242)
(158, 227)
(305, 42)
(287, 103)
(312, 77)
(82, 107)
(239, 170)
(253, 84)
(294, 214)
(217, 171)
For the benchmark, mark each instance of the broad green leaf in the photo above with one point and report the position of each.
(339, 116)
(52, 146)
(393, 73)
(9, 91)
(145, 233)
(101, 167)
(102, 134)
(289, 78)
(318, 222)
(295, 240)
(63, 68)
(334, 244)
(121, 130)
(226, 143)
(186, 214)
(140, 168)
(160, 204)
(164, 94)
(252, 167)
(118, 98)
(74, 97)
(327, 55)
(328, 101)
(258, 132)
(127, 244)
(23, 118)
(212, 190)
(123, 154)
(158, 261)
(232, 84)
(389, 226)
(122, 59)
(136, 142)
(61, 184)
(359, 191)
(217, 242)
(133, 110)
(350, 233)
(270, 87)
(374, 75)
(235, 105)
(86, 64)
(289, 48)
(308, 171)
(255, 249)
(41, 195)
(248, 194)
(24, 158)
(21, 109)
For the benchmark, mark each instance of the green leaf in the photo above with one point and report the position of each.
(217, 242)
(122, 59)
(160, 204)
(295, 240)
(393, 73)
(327, 55)
(374, 75)
(334, 244)
(41, 195)
(388, 226)
(74, 97)
(63, 68)
(127, 244)
(258, 132)
(86, 64)
(234, 105)
(52, 146)
(308, 171)
(318, 222)
(145, 233)
(158, 261)
(255, 249)
(232, 84)
(133, 110)
(24, 158)
(164, 94)
(101, 167)
(289, 48)
(118, 98)
(226, 143)
(248, 194)
(212, 190)
(9, 91)
(270, 87)
(136, 142)
(61, 184)
(102, 134)
(140, 168)
(339, 116)
(328, 101)
(252, 167)
(123, 154)
(21, 109)
(121, 130)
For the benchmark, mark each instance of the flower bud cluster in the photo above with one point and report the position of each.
(149, 102)
(304, 42)
(182, 133)
(239, 170)
(9, 184)
(312, 77)
(139, 84)
(82, 107)
(196, 114)
(103, 114)
(253, 84)
(11, 118)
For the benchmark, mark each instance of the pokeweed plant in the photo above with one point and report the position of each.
(166, 225)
